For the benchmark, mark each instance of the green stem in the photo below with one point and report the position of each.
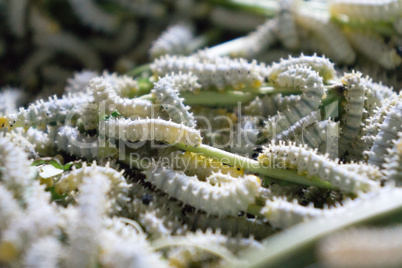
(254, 166)
(139, 70)
(279, 248)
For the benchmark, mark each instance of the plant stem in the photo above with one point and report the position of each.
(284, 245)
(254, 166)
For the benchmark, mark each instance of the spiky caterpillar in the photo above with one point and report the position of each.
(393, 161)
(106, 97)
(388, 131)
(70, 140)
(53, 112)
(15, 174)
(79, 82)
(125, 86)
(45, 252)
(245, 139)
(383, 10)
(10, 99)
(194, 164)
(150, 129)
(34, 141)
(270, 104)
(227, 199)
(281, 213)
(298, 127)
(311, 85)
(373, 47)
(92, 15)
(238, 225)
(370, 171)
(331, 39)
(166, 91)
(118, 185)
(220, 73)
(175, 40)
(84, 239)
(353, 107)
(321, 65)
(287, 31)
(9, 208)
(308, 162)
(362, 247)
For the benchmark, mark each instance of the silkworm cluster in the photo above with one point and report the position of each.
(205, 147)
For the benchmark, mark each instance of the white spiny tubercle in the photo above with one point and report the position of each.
(175, 40)
(70, 140)
(92, 207)
(226, 199)
(150, 129)
(106, 97)
(45, 252)
(311, 85)
(9, 207)
(322, 65)
(119, 187)
(218, 72)
(281, 213)
(353, 106)
(308, 162)
(166, 91)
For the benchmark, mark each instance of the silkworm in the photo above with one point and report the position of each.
(322, 65)
(282, 214)
(9, 208)
(166, 91)
(245, 140)
(393, 161)
(308, 162)
(213, 200)
(106, 97)
(80, 81)
(383, 10)
(220, 72)
(117, 194)
(287, 31)
(388, 131)
(175, 40)
(299, 126)
(45, 252)
(270, 104)
(374, 47)
(150, 129)
(70, 140)
(53, 112)
(331, 39)
(311, 85)
(10, 98)
(89, 13)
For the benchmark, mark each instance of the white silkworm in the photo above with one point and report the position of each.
(308, 162)
(53, 112)
(85, 237)
(388, 132)
(366, 10)
(9, 208)
(330, 37)
(353, 108)
(226, 199)
(92, 15)
(218, 72)
(271, 104)
(150, 129)
(119, 187)
(70, 140)
(393, 162)
(322, 65)
(45, 252)
(283, 214)
(175, 40)
(311, 85)
(10, 98)
(80, 81)
(287, 31)
(374, 47)
(166, 91)
(299, 126)
(71, 45)
(106, 97)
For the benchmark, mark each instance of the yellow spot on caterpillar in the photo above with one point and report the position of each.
(4, 122)
(399, 146)
(8, 252)
(256, 83)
